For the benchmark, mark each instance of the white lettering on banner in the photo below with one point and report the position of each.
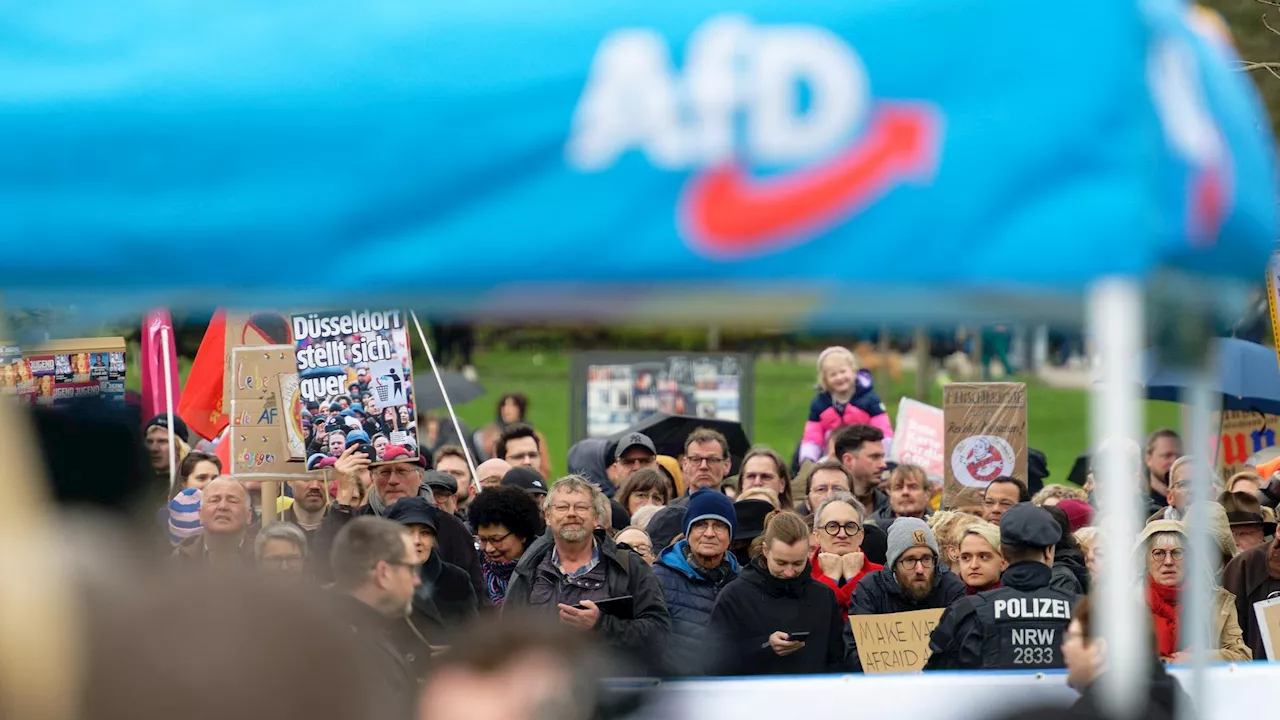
(1016, 608)
(635, 100)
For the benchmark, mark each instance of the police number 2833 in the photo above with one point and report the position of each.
(1033, 656)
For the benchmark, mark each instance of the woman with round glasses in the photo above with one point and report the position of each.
(1163, 544)
(838, 561)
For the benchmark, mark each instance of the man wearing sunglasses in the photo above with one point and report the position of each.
(838, 561)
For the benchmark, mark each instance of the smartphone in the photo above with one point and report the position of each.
(619, 607)
(368, 450)
(797, 636)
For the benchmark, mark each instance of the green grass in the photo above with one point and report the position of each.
(1057, 419)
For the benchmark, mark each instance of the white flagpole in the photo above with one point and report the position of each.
(168, 409)
(462, 439)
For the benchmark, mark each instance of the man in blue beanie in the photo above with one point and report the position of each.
(692, 573)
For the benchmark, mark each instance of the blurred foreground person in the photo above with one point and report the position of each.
(1085, 657)
(247, 655)
(1253, 576)
(374, 570)
(570, 569)
(225, 512)
(775, 619)
(517, 668)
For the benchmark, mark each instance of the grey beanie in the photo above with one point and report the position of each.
(904, 534)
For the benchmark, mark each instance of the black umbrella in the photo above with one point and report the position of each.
(427, 395)
(668, 433)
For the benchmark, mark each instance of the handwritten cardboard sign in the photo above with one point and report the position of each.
(259, 439)
(895, 642)
(919, 437)
(986, 437)
(250, 330)
(1244, 433)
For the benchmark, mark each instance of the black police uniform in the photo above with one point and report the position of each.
(1019, 626)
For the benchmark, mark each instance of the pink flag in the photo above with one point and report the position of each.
(156, 364)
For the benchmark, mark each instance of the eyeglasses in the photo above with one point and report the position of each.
(697, 461)
(925, 562)
(642, 461)
(850, 528)
(493, 541)
(284, 562)
(563, 508)
(639, 549)
(1159, 555)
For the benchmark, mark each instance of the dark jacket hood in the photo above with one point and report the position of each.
(587, 457)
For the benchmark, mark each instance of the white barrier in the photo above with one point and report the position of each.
(1234, 691)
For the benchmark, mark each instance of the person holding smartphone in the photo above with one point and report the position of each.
(775, 619)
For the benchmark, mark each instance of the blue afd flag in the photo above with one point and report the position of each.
(772, 158)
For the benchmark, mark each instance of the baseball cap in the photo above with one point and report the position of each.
(357, 436)
(631, 440)
(525, 479)
(1029, 525)
(396, 452)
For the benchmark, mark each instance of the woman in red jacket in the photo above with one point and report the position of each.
(838, 561)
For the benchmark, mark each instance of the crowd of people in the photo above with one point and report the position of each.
(684, 570)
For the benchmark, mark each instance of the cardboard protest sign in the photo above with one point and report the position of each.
(894, 642)
(918, 438)
(352, 363)
(258, 434)
(58, 372)
(251, 330)
(286, 387)
(986, 437)
(1243, 433)
(1268, 614)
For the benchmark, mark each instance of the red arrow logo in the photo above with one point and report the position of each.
(726, 212)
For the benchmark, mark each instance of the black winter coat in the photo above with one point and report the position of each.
(1069, 565)
(397, 684)
(880, 594)
(643, 638)
(442, 604)
(1163, 693)
(756, 605)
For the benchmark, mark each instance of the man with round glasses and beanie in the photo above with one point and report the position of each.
(838, 561)
(1020, 625)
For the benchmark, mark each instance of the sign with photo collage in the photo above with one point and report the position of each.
(614, 390)
(59, 372)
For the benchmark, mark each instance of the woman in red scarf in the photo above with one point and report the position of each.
(1163, 543)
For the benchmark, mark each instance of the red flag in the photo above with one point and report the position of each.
(156, 364)
(201, 405)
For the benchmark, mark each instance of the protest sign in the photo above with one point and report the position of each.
(251, 330)
(352, 362)
(1268, 614)
(918, 437)
(986, 437)
(894, 642)
(258, 433)
(1243, 433)
(286, 387)
(58, 372)
(10, 359)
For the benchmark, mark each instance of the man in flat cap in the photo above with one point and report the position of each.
(1020, 625)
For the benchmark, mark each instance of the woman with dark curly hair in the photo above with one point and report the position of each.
(506, 521)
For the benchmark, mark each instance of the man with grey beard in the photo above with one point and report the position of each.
(575, 566)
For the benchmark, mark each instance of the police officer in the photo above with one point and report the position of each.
(1019, 626)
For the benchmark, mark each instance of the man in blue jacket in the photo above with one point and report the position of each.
(692, 572)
